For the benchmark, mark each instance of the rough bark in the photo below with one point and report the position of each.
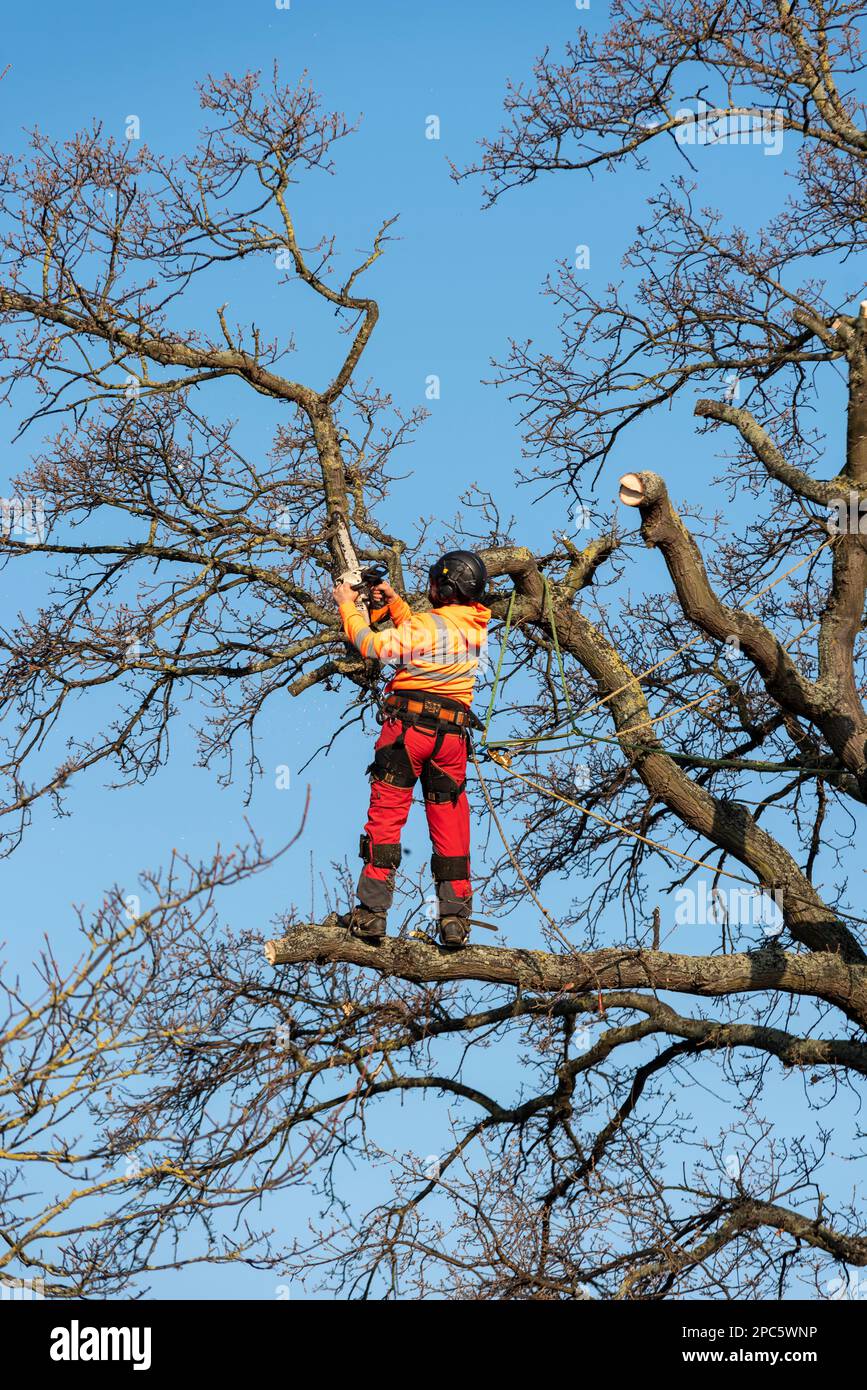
(822, 976)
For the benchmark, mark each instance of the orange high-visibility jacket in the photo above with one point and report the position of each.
(437, 651)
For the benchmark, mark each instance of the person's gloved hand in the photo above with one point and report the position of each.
(344, 593)
(382, 594)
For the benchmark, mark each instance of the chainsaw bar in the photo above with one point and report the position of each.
(349, 570)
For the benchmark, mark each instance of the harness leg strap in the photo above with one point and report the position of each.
(392, 764)
(438, 786)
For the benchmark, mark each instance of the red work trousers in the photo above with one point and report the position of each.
(448, 820)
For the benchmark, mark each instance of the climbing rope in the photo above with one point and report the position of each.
(503, 761)
(617, 825)
(547, 593)
(701, 636)
(627, 830)
(562, 745)
(532, 741)
(529, 887)
(499, 666)
(511, 853)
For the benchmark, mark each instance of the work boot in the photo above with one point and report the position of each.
(365, 924)
(454, 931)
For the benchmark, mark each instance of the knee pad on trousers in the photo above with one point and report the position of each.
(380, 856)
(447, 868)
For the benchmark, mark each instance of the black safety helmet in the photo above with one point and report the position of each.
(459, 575)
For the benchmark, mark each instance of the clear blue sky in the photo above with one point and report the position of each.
(451, 291)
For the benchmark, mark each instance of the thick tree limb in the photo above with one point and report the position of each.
(824, 976)
(724, 823)
(832, 702)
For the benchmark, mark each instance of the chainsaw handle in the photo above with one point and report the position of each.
(370, 577)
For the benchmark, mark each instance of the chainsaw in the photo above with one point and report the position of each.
(348, 569)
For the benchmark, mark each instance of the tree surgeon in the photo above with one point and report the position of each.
(426, 718)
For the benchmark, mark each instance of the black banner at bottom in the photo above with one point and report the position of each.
(163, 1338)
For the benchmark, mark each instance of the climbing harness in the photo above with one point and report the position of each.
(429, 711)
